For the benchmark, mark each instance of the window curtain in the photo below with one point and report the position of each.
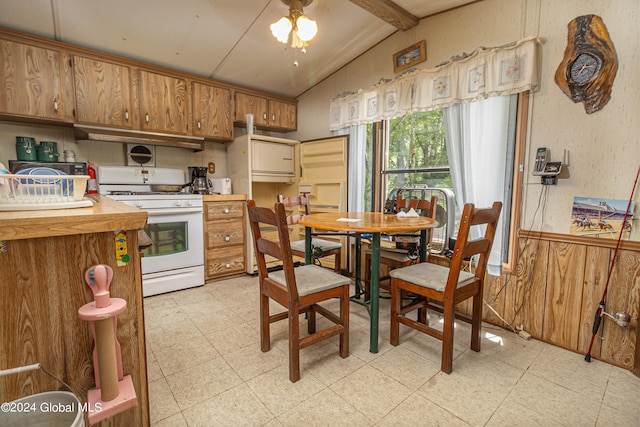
(486, 72)
(357, 166)
(480, 139)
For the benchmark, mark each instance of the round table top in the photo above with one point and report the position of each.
(366, 222)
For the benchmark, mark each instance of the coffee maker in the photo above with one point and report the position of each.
(199, 181)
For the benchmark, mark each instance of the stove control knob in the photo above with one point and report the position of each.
(188, 203)
(177, 203)
(137, 204)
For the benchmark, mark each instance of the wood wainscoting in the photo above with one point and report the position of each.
(555, 290)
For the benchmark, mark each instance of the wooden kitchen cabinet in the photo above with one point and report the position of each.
(43, 260)
(212, 112)
(267, 112)
(283, 115)
(252, 104)
(103, 93)
(33, 81)
(164, 103)
(224, 229)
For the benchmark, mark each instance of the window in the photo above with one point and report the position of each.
(415, 152)
(411, 151)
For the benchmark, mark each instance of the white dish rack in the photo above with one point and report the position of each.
(35, 192)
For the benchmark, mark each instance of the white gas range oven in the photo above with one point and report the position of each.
(175, 259)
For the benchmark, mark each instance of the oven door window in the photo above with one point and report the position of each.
(177, 241)
(168, 238)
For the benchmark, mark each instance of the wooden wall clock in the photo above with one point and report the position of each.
(590, 63)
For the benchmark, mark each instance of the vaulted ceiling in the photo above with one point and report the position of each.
(227, 40)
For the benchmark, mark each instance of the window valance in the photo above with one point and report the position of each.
(485, 72)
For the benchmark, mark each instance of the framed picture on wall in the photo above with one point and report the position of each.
(410, 56)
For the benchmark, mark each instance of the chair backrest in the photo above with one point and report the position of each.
(465, 248)
(293, 201)
(424, 207)
(279, 248)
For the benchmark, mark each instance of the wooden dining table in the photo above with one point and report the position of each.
(374, 223)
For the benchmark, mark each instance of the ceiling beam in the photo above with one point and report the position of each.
(389, 12)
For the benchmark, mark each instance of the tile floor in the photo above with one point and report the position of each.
(206, 369)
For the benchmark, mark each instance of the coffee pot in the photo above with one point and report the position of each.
(199, 181)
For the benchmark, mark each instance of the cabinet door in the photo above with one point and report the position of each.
(212, 112)
(283, 115)
(163, 103)
(31, 81)
(251, 104)
(103, 92)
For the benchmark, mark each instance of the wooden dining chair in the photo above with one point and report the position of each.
(397, 258)
(320, 248)
(447, 286)
(298, 290)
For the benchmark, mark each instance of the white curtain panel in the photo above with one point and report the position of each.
(479, 138)
(357, 166)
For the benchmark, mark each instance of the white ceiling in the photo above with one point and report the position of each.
(227, 40)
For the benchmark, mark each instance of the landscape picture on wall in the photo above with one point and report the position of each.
(592, 216)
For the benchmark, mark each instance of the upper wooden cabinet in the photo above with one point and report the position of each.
(48, 81)
(32, 81)
(212, 112)
(103, 93)
(252, 104)
(267, 112)
(163, 103)
(283, 115)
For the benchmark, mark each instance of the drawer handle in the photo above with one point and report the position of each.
(55, 105)
(227, 238)
(199, 124)
(226, 210)
(146, 117)
(227, 265)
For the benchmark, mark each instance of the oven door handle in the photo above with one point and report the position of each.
(173, 211)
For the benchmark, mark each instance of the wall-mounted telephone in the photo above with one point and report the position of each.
(548, 171)
(542, 157)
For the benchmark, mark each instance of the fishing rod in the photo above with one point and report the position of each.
(600, 311)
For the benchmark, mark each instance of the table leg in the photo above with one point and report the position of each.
(423, 245)
(358, 264)
(375, 292)
(307, 245)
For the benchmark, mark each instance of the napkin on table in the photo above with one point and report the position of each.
(410, 213)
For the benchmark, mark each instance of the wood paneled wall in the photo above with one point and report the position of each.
(555, 290)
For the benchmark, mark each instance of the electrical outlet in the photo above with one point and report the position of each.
(212, 168)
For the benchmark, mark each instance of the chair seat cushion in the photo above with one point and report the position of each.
(428, 275)
(312, 278)
(325, 245)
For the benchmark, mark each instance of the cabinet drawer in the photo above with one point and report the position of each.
(225, 261)
(224, 233)
(223, 210)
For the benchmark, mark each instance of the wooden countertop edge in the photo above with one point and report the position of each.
(223, 197)
(105, 215)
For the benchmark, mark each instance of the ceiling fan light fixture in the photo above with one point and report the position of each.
(301, 28)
